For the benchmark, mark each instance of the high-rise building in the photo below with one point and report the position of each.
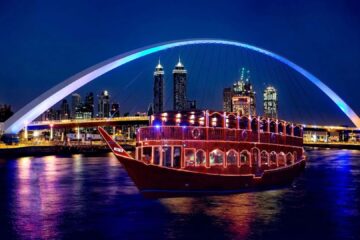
(115, 110)
(159, 89)
(5, 112)
(75, 103)
(104, 104)
(179, 76)
(49, 115)
(241, 97)
(227, 96)
(270, 102)
(89, 103)
(64, 110)
(83, 112)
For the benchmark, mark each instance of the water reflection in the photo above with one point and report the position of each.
(93, 197)
(235, 214)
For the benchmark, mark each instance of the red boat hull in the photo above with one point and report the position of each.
(158, 181)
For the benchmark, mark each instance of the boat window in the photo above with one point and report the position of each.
(231, 121)
(146, 155)
(177, 157)
(166, 156)
(244, 158)
(216, 157)
(264, 125)
(288, 129)
(254, 125)
(281, 159)
(297, 131)
(289, 159)
(272, 127)
(156, 155)
(273, 158)
(231, 158)
(189, 157)
(244, 121)
(200, 158)
(264, 158)
(255, 155)
(280, 128)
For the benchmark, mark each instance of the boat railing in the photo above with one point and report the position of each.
(216, 134)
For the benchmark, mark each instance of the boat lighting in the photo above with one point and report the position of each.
(213, 121)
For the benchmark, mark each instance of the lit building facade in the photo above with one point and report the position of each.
(89, 103)
(75, 103)
(270, 102)
(64, 110)
(159, 89)
(227, 96)
(5, 112)
(104, 105)
(180, 78)
(241, 98)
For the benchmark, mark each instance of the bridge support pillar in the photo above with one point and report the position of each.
(78, 133)
(26, 132)
(51, 133)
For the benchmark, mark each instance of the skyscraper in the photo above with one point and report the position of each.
(227, 96)
(64, 110)
(270, 102)
(104, 104)
(241, 97)
(5, 112)
(89, 103)
(158, 102)
(179, 76)
(75, 103)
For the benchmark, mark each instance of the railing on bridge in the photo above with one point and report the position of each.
(221, 134)
(90, 120)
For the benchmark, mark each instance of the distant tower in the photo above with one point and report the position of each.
(227, 96)
(270, 102)
(104, 104)
(159, 89)
(89, 103)
(243, 100)
(75, 103)
(64, 110)
(179, 75)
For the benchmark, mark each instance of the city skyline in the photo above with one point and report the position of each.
(180, 119)
(301, 51)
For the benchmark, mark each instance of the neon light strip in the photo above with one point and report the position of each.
(39, 105)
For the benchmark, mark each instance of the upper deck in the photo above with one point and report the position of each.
(220, 127)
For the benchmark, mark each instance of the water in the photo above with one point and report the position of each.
(83, 197)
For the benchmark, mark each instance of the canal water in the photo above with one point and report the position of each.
(87, 197)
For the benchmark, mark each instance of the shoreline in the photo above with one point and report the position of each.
(333, 146)
(26, 151)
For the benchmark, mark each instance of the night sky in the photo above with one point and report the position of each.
(45, 42)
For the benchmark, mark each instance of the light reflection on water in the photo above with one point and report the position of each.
(92, 197)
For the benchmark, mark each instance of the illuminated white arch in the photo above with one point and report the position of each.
(46, 100)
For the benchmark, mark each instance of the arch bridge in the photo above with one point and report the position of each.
(46, 100)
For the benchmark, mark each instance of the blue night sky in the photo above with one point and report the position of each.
(45, 42)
